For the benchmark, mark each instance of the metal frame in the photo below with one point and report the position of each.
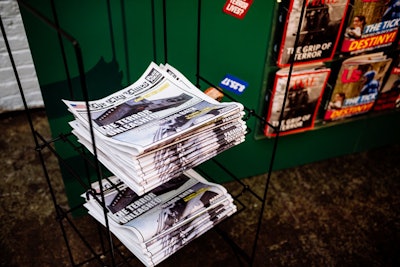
(110, 251)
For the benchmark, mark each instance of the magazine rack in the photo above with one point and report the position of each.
(109, 251)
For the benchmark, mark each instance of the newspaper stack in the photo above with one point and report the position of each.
(157, 224)
(153, 130)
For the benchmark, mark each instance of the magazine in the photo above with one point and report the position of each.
(371, 25)
(357, 86)
(389, 97)
(305, 88)
(320, 29)
(155, 225)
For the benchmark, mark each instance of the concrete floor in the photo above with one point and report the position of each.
(339, 212)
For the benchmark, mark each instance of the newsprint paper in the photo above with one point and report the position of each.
(156, 128)
(155, 225)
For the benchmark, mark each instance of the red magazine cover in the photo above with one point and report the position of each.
(357, 86)
(321, 24)
(371, 25)
(305, 89)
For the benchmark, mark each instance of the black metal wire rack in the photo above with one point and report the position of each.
(111, 252)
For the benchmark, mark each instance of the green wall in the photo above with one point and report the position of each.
(118, 43)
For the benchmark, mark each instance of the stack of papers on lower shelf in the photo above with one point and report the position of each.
(157, 224)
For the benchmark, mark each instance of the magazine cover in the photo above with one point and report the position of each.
(305, 89)
(357, 86)
(389, 97)
(321, 25)
(371, 25)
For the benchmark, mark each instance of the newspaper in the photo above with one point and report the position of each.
(145, 173)
(151, 112)
(160, 126)
(168, 246)
(157, 224)
(210, 130)
(218, 135)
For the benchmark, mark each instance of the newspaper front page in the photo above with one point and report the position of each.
(151, 112)
(155, 225)
(156, 128)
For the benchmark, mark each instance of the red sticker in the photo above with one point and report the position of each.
(237, 8)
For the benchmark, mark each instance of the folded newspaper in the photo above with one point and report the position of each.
(157, 224)
(154, 129)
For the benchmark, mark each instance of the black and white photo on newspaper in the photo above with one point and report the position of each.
(155, 225)
(184, 128)
(151, 111)
(155, 168)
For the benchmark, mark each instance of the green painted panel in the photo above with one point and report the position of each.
(119, 41)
